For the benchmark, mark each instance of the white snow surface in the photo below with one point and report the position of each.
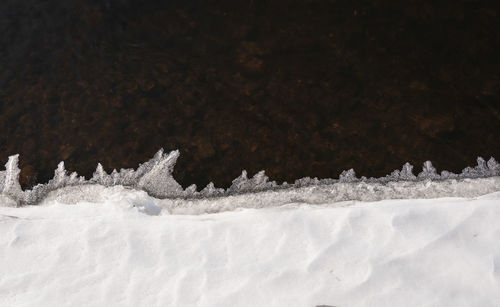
(123, 248)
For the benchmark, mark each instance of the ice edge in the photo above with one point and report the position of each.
(155, 177)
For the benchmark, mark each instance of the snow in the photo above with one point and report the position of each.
(136, 238)
(124, 249)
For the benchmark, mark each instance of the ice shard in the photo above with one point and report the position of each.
(211, 190)
(155, 176)
(428, 172)
(348, 176)
(10, 186)
(100, 176)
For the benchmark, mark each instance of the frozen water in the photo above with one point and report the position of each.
(258, 182)
(155, 178)
(428, 171)
(348, 176)
(211, 190)
(10, 178)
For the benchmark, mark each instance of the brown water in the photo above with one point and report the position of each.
(298, 88)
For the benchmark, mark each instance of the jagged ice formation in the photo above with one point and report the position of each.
(155, 178)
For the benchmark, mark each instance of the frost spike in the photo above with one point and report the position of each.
(100, 176)
(494, 167)
(481, 170)
(260, 178)
(211, 190)
(11, 186)
(115, 176)
(407, 172)
(155, 176)
(428, 171)
(73, 178)
(481, 165)
(190, 190)
(59, 175)
(99, 173)
(239, 183)
(348, 176)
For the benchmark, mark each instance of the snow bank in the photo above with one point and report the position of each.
(121, 249)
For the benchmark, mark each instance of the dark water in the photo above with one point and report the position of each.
(298, 88)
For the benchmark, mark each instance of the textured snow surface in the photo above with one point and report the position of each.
(120, 248)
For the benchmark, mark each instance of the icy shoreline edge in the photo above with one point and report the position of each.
(155, 178)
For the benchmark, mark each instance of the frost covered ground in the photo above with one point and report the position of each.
(136, 238)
